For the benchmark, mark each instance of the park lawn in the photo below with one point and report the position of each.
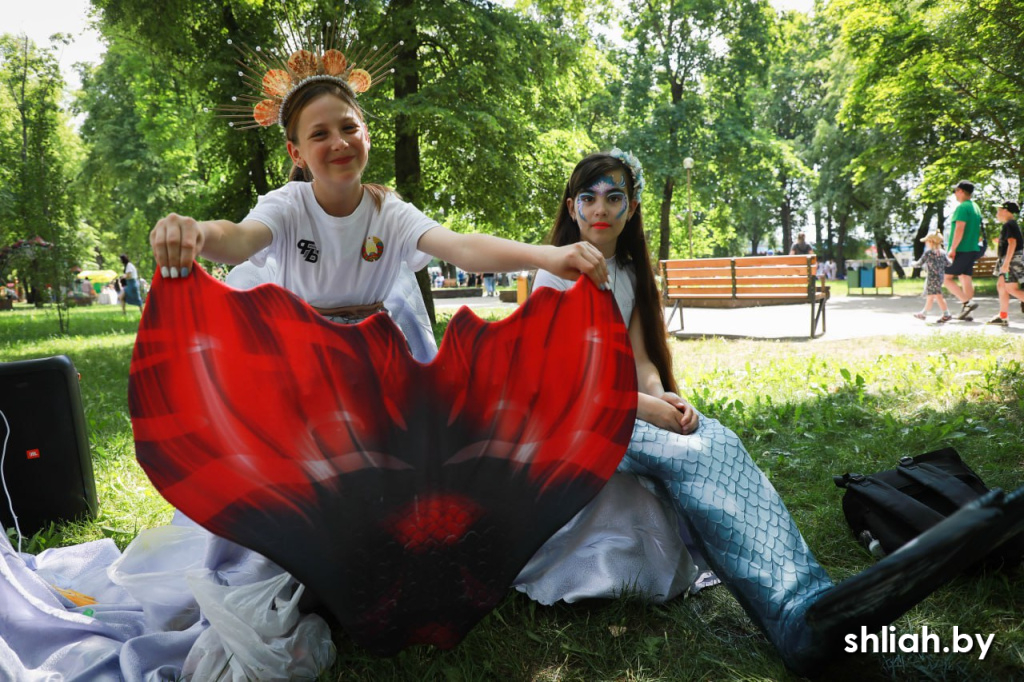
(805, 410)
(909, 286)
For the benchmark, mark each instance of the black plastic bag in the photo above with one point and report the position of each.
(888, 509)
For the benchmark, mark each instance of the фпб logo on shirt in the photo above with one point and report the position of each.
(309, 250)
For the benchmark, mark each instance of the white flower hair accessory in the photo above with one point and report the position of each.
(634, 167)
(276, 77)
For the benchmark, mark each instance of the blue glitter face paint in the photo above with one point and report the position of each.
(612, 190)
(601, 211)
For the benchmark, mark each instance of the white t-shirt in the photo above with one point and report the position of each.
(330, 261)
(130, 272)
(621, 279)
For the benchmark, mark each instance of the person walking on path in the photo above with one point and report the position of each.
(801, 248)
(1010, 267)
(935, 260)
(130, 292)
(963, 247)
(489, 284)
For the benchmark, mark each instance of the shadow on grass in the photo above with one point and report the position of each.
(708, 636)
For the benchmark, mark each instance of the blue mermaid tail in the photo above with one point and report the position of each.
(740, 524)
(750, 540)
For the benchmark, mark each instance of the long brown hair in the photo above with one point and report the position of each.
(631, 247)
(298, 101)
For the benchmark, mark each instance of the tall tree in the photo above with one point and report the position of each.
(40, 151)
(943, 84)
(678, 52)
(795, 86)
(471, 115)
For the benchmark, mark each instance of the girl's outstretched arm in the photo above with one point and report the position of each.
(655, 405)
(485, 253)
(177, 241)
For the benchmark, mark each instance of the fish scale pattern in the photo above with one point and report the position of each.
(744, 529)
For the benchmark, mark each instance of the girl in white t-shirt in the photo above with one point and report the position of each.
(339, 243)
(701, 469)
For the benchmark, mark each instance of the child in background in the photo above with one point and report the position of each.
(934, 260)
(1010, 268)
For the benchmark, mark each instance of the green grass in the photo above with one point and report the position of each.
(805, 412)
(100, 345)
(984, 286)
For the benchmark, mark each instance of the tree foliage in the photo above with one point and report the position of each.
(855, 119)
(41, 156)
(942, 84)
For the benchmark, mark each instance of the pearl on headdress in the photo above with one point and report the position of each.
(234, 98)
(231, 124)
(229, 42)
(240, 73)
(257, 48)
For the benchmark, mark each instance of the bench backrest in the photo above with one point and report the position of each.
(748, 277)
(985, 266)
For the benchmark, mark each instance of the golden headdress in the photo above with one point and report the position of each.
(275, 77)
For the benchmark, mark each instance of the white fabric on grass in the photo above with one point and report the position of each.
(152, 619)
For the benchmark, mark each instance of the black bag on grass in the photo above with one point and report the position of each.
(888, 509)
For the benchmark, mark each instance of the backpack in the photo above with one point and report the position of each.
(888, 509)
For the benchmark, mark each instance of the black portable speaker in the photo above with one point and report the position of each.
(46, 470)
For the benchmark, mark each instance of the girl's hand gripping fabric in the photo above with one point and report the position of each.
(176, 242)
(569, 262)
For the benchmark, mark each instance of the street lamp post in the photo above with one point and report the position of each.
(688, 164)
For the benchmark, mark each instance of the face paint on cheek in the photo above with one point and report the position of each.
(625, 205)
(608, 187)
(580, 218)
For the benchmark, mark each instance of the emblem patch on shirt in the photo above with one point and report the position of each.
(309, 250)
(373, 248)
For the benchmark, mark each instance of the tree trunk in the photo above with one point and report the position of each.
(884, 247)
(663, 226)
(817, 232)
(664, 231)
(407, 140)
(831, 236)
(844, 221)
(786, 217)
(258, 168)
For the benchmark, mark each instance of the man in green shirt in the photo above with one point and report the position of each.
(963, 247)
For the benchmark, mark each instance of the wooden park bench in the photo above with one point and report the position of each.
(985, 266)
(744, 283)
